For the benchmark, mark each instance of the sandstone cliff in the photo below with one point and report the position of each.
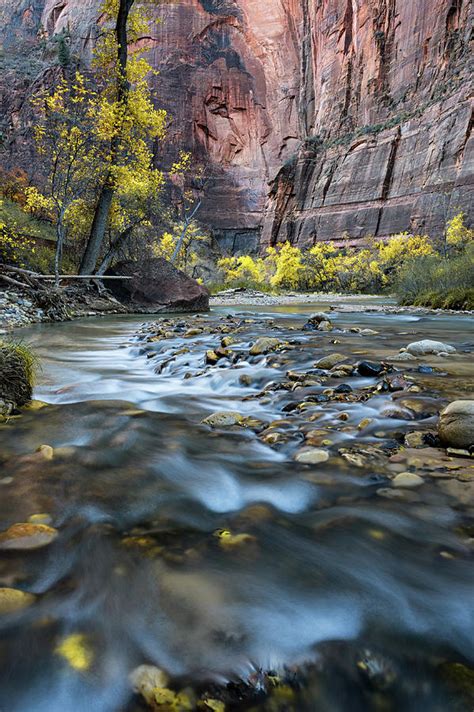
(317, 118)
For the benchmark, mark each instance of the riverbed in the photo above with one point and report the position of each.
(210, 551)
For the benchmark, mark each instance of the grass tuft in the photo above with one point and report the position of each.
(18, 369)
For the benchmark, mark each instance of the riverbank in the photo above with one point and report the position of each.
(18, 309)
(340, 302)
(22, 308)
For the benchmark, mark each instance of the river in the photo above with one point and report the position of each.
(360, 596)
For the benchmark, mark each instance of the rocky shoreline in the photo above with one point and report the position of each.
(337, 302)
(18, 309)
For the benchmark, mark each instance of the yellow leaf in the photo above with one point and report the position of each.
(76, 651)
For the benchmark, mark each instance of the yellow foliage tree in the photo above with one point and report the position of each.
(457, 234)
(286, 266)
(186, 236)
(129, 124)
(72, 157)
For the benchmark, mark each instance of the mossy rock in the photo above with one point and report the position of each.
(12, 600)
(460, 680)
(17, 368)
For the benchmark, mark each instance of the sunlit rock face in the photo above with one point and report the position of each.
(316, 119)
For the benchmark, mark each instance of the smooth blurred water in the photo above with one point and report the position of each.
(331, 563)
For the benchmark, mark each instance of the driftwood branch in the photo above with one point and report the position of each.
(95, 277)
(33, 282)
(14, 282)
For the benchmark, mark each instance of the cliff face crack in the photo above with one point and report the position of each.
(387, 182)
(467, 136)
(348, 26)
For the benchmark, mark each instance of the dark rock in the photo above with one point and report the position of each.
(397, 383)
(369, 369)
(318, 398)
(343, 388)
(158, 286)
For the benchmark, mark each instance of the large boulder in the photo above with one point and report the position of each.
(456, 425)
(427, 346)
(157, 286)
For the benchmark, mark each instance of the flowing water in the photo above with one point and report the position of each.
(361, 596)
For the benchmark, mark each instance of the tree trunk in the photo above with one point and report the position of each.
(99, 226)
(60, 234)
(104, 203)
(187, 222)
(113, 251)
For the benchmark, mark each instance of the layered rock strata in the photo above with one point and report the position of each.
(316, 119)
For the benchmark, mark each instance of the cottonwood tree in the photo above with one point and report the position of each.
(127, 121)
(189, 185)
(71, 154)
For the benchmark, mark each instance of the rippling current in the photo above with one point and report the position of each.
(332, 574)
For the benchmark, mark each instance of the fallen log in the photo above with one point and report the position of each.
(95, 277)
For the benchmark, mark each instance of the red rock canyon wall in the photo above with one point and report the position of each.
(317, 118)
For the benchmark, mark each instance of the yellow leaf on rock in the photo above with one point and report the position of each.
(211, 705)
(76, 651)
(227, 540)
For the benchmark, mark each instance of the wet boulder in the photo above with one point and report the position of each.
(456, 425)
(369, 369)
(319, 320)
(157, 286)
(328, 362)
(427, 347)
(315, 456)
(223, 419)
(264, 345)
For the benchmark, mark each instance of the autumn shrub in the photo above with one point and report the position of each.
(243, 271)
(418, 269)
(13, 184)
(285, 266)
(324, 267)
(191, 237)
(444, 282)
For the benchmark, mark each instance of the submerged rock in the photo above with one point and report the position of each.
(415, 439)
(456, 425)
(223, 419)
(12, 600)
(328, 362)
(427, 346)
(407, 480)
(312, 457)
(460, 679)
(264, 345)
(404, 356)
(27, 536)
